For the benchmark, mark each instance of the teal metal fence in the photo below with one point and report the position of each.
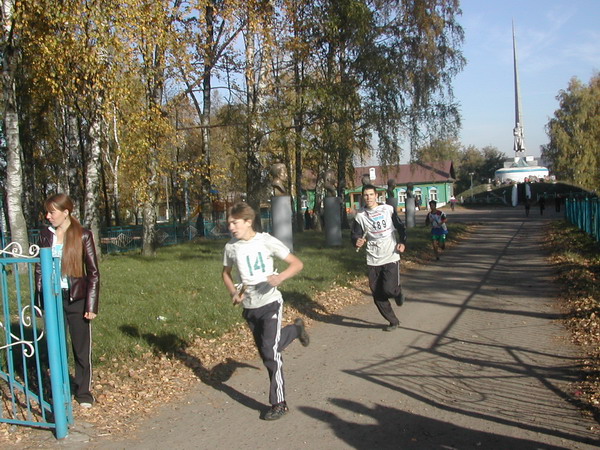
(34, 378)
(130, 237)
(585, 214)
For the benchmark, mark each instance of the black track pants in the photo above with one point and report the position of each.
(384, 282)
(271, 340)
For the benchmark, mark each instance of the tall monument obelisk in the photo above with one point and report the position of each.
(521, 167)
(519, 144)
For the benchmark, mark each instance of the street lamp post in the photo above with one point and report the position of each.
(186, 175)
(471, 189)
(167, 197)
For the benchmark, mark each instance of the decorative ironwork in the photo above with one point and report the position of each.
(26, 321)
(15, 249)
(122, 240)
(191, 231)
(161, 236)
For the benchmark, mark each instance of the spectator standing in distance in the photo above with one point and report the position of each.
(307, 219)
(527, 204)
(252, 254)
(542, 203)
(452, 202)
(376, 226)
(437, 219)
(80, 283)
(557, 202)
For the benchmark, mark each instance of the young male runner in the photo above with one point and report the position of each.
(376, 226)
(437, 220)
(252, 254)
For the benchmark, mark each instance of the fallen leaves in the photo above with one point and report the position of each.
(577, 267)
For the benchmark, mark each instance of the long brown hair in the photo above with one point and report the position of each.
(72, 257)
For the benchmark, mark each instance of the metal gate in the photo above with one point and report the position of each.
(34, 375)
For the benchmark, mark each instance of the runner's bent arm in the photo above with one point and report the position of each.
(230, 285)
(400, 227)
(295, 265)
(356, 234)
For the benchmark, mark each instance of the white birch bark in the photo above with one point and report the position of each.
(92, 182)
(14, 169)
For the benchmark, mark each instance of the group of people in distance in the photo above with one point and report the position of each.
(376, 227)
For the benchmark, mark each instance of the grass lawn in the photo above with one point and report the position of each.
(179, 295)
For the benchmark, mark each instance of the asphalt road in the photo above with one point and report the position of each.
(480, 361)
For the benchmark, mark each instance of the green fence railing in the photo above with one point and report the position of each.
(130, 237)
(585, 214)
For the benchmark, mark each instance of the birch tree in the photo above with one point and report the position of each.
(214, 30)
(257, 36)
(151, 33)
(10, 50)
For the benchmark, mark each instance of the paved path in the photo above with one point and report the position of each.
(480, 361)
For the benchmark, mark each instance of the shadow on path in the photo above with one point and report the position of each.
(172, 345)
(397, 429)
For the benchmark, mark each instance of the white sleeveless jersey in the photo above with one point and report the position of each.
(380, 234)
(254, 262)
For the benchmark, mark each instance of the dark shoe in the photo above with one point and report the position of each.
(302, 334)
(391, 327)
(86, 401)
(400, 300)
(277, 411)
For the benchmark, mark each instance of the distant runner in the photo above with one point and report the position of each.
(439, 230)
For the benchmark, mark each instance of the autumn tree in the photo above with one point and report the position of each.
(574, 134)
(149, 30)
(439, 150)
(10, 49)
(258, 43)
(482, 163)
(210, 33)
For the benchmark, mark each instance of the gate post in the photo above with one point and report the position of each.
(59, 402)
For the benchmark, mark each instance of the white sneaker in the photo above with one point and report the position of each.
(85, 405)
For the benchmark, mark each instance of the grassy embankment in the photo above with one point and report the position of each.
(576, 257)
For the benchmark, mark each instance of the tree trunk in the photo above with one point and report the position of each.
(73, 188)
(14, 168)
(298, 129)
(150, 241)
(92, 183)
(115, 171)
(206, 111)
(149, 219)
(253, 164)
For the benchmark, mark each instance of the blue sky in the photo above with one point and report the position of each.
(556, 40)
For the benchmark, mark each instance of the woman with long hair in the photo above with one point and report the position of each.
(80, 283)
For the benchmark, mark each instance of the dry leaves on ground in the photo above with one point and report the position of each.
(579, 278)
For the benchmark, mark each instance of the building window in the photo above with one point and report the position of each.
(433, 194)
(418, 197)
(402, 196)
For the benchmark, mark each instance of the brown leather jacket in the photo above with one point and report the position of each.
(80, 288)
